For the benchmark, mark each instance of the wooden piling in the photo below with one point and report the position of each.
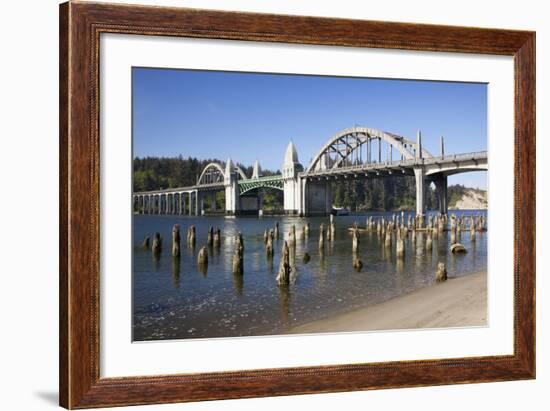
(387, 240)
(217, 237)
(292, 236)
(210, 239)
(238, 255)
(176, 240)
(400, 244)
(157, 244)
(441, 273)
(283, 277)
(191, 236)
(269, 244)
(202, 256)
(355, 240)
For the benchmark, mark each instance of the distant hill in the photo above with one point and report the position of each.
(464, 198)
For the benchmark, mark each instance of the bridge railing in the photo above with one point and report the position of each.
(477, 155)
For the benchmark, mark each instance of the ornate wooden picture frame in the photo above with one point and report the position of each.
(80, 27)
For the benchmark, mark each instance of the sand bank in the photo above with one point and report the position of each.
(457, 302)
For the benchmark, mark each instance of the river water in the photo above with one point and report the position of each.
(173, 299)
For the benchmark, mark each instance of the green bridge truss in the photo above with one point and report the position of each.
(275, 182)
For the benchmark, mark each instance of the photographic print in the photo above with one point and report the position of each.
(275, 204)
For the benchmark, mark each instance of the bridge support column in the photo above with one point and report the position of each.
(292, 183)
(317, 197)
(232, 203)
(213, 203)
(292, 196)
(199, 203)
(441, 190)
(420, 190)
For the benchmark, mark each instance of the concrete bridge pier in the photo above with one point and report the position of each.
(441, 191)
(232, 203)
(420, 190)
(292, 185)
(199, 199)
(213, 201)
(317, 197)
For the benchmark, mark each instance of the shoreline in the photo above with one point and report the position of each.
(457, 302)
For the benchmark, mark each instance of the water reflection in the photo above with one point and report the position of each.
(284, 299)
(238, 283)
(176, 271)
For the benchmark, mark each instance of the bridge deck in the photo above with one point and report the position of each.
(398, 165)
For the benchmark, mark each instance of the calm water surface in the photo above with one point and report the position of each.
(173, 299)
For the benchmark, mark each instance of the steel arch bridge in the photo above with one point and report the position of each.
(353, 153)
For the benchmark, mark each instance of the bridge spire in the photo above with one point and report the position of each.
(257, 171)
(419, 144)
(291, 155)
(442, 146)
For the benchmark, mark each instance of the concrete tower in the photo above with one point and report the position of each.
(292, 186)
(257, 170)
(231, 188)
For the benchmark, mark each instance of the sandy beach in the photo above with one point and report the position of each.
(457, 302)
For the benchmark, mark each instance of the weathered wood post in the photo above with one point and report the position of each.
(332, 229)
(283, 277)
(157, 244)
(277, 230)
(191, 236)
(400, 244)
(387, 240)
(217, 237)
(303, 233)
(176, 240)
(292, 237)
(265, 236)
(357, 263)
(472, 230)
(429, 239)
(238, 255)
(458, 248)
(453, 234)
(441, 274)
(322, 236)
(202, 256)
(269, 244)
(145, 243)
(355, 240)
(210, 240)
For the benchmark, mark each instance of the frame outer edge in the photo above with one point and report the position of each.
(80, 385)
(526, 180)
(64, 352)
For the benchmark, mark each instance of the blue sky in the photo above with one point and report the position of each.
(249, 116)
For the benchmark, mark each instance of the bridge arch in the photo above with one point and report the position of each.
(348, 143)
(211, 174)
(240, 172)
